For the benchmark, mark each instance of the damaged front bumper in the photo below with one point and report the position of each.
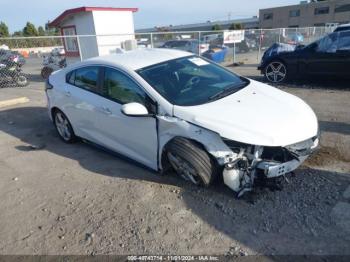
(260, 162)
(273, 169)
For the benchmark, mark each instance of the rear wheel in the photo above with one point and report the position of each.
(22, 81)
(191, 162)
(63, 127)
(276, 72)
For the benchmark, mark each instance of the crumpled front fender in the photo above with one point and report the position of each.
(171, 127)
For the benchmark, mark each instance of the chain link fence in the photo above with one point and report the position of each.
(33, 59)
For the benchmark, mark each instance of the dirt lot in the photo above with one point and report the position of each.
(76, 199)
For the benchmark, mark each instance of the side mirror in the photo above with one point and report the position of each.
(135, 110)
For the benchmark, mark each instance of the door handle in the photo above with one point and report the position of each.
(106, 110)
(68, 93)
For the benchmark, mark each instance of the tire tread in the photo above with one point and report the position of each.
(197, 157)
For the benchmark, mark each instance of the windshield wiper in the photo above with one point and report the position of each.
(227, 91)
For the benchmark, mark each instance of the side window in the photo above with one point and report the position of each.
(344, 41)
(87, 78)
(328, 44)
(70, 77)
(121, 88)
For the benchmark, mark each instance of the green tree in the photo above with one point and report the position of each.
(236, 26)
(216, 27)
(51, 30)
(41, 31)
(4, 30)
(30, 30)
(17, 33)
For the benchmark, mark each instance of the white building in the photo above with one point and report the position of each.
(101, 30)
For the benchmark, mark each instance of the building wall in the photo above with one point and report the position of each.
(281, 15)
(119, 24)
(84, 24)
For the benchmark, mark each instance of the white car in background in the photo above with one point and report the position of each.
(171, 109)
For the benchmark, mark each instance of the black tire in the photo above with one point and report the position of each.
(275, 76)
(22, 80)
(194, 155)
(67, 139)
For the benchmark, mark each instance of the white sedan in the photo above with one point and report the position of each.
(169, 109)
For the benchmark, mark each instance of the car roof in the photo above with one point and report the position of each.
(343, 27)
(140, 58)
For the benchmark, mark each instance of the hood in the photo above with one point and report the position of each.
(258, 114)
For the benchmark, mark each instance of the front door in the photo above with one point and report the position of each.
(322, 59)
(135, 137)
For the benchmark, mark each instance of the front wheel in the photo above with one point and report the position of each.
(191, 162)
(276, 72)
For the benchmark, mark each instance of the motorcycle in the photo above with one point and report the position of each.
(11, 73)
(53, 62)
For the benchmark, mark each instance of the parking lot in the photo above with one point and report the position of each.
(76, 199)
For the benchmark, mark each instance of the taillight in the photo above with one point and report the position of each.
(48, 85)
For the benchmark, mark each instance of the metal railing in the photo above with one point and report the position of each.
(34, 58)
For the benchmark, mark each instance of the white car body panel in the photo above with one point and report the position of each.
(258, 115)
(140, 58)
(101, 121)
(254, 115)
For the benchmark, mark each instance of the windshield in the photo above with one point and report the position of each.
(190, 81)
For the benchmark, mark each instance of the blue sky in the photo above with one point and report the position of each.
(15, 13)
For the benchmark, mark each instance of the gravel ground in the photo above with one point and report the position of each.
(76, 199)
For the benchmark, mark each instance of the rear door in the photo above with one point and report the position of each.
(81, 92)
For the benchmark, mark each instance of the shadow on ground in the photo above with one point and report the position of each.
(296, 220)
(335, 127)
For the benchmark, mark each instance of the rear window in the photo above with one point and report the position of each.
(86, 78)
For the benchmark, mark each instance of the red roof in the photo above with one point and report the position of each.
(68, 12)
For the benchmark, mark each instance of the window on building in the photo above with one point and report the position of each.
(322, 10)
(70, 42)
(342, 8)
(268, 16)
(294, 13)
(320, 24)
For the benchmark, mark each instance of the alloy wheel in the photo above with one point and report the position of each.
(276, 72)
(62, 126)
(183, 168)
